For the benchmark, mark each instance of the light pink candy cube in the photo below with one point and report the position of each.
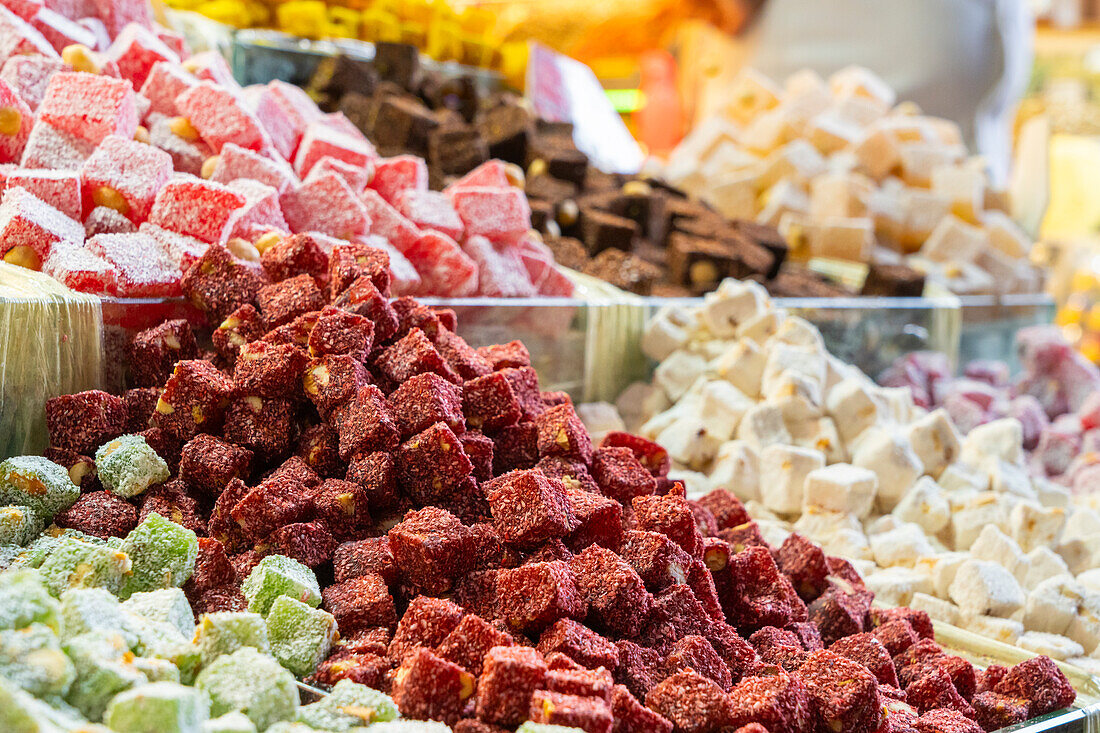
(88, 106)
(135, 170)
(286, 110)
(59, 189)
(11, 146)
(60, 31)
(357, 177)
(77, 267)
(261, 207)
(212, 66)
(28, 221)
(164, 82)
(235, 162)
(48, 147)
(326, 204)
(117, 14)
(320, 141)
(187, 155)
(388, 222)
(198, 208)
(490, 174)
(392, 176)
(501, 273)
(430, 210)
(500, 215)
(136, 50)
(444, 269)
(19, 37)
(220, 117)
(29, 76)
(144, 267)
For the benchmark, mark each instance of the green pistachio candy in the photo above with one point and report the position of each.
(229, 723)
(167, 604)
(301, 637)
(348, 706)
(127, 466)
(74, 563)
(38, 483)
(25, 599)
(32, 658)
(158, 707)
(252, 683)
(277, 575)
(225, 632)
(19, 524)
(163, 555)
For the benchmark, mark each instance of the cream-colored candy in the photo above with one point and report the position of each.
(965, 187)
(851, 239)
(1085, 627)
(765, 133)
(885, 523)
(760, 512)
(763, 426)
(1004, 271)
(830, 133)
(1006, 235)
(734, 195)
(742, 365)
(762, 327)
(977, 512)
(945, 566)
(1090, 580)
(858, 81)
(900, 546)
(1008, 478)
(919, 160)
(600, 418)
(955, 478)
(839, 195)
(639, 402)
(852, 408)
(721, 407)
(727, 156)
(784, 359)
(892, 460)
(820, 434)
(925, 505)
(1052, 645)
(983, 587)
(785, 197)
(1079, 545)
(797, 397)
(783, 476)
(1043, 563)
(841, 488)
(858, 111)
(1035, 526)
(1051, 494)
(953, 240)
(896, 586)
(798, 161)
(1091, 665)
(1001, 438)
(818, 524)
(923, 211)
(877, 153)
(1004, 630)
(995, 546)
(774, 533)
(848, 543)
(666, 333)
(751, 93)
(937, 608)
(935, 440)
(676, 374)
(730, 306)
(799, 332)
(737, 468)
(689, 442)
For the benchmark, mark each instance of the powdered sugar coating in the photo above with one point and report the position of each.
(88, 106)
(81, 269)
(320, 140)
(59, 189)
(326, 204)
(29, 76)
(236, 162)
(163, 83)
(134, 170)
(11, 146)
(136, 49)
(26, 220)
(220, 117)
(192, 206)
(145, 268)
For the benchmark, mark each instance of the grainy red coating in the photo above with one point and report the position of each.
(296, 333)
(573, 474)
(990, 677)
(340, 332)
(866, 649)
(650, 454)
(221, 525)
(490, 403)
(212, 569)
(839, 614)
(365, 557)
(695, 652)
(1040, 681)
(360, 603)
(310, 543)
(431, 465)
(84, 421)
(631, 715)
(616, 596)
(154, 352)
(366, 669)
(472, 725)
(503, 356)
(693, 703)
(515, 447)
(896, 636)
(424, 400)
(528, 508)
(351, 261)
(470, 641)
(223, 598)
(841, 691)
(412, 315)
(670, 515)
(208, 463)
(479, 449)
(658, 560)
(510, 675)
(460, 356)
(413, 354)
(742, 536)
(342, 507)
(319, 447)
(369, 425)
(807, 634)
(727, 509)
(99, 513)
(269, 370)
(193, 400)
(218, 284)
(264, 425)
(933, 690)
(431, 548)
(425, 623)
(172, 502)
(804, 563)
(676, 613)
(753, 592)
(621, 475)
(274, 502)
(993, 711)
(778, 701)
(332, 380)
(581, 682)
(920, 622)
(640, 668)
(140, 403)
(240, 327)
(579, 643)
(294, 255)
(282, 302)
(595, 520)
(590, 714)
(561, 433)
(376, 474)
(534, 596)
(427, 687)
(946, 721)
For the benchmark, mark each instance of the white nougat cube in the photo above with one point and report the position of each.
(799, 332)
(820, 434)
(725, 157)
(1090, 580)
(666, 332)
(1035, 526)
(973, 515)
(783, 473)
(721, 407)
(737, 468)
(600, 418)
(689, 442)
(877, 153)
(935, 440)
(925, 505)
(944, 566)
(1054, 646)
(965, 187)
(819, 524)
(750, 94)
(840, 488)
(983, 587)
(896, 586)
(762, 426)
(1001, 439)
(900, 546)
(762, 327)
(995, 546)
(734, 194)
(859, 81)
(797, 397)
(1008, 478)
(937, 608)
(676, 374)
(831, 133)
(959, 478)
(839, 238)
(852, 408)
(885, 523)
(848, 543)
(839, 195)
(730, 306)
(1043, 563)
(1085, 627)
(1004, 630)
(765, 133)
(774, 533)
(919, 160)
(892, 460)
(1006, 235)
(784, 358)
(953, 240)
(797, 161)
(742, 365)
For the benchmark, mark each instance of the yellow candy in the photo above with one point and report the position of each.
(343, 22)
(23, 256)
(112, 199)
(413, 34)
(304, 18)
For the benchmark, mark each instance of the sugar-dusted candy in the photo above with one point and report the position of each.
(261, 209)
(154, 352)
(80, 269)
(162, 554)
(192, 206)
(20, 37)
(61, 31)
(172, 500)
(499, 215)
(25, 600)
(209, 464)
(429, 210)
(285, 110)
(28, 77)
(19, 525)
(143, 266)
(356, 177)
(168, 605)
(225, 632)
(164, 81)
(300, 636)
(88, 106)
(32, 659)
(394, 176)
(347, 706)
(220, 116)
(320, 141)
(59, 189)
(250, 682)
(326, 204)
(136, 50)
(25, 9)
(843, 693)
(276, 576)
(235, 162)
(188, 151)
(104, 667)
(101, 566)
(218, 284)
(233, 722)
(50, 147)
(591, 714)
(388, 222)
(38, 483)
(193, 400)
(169, 706)
(30, 227)
(443, 267)
(501, 273)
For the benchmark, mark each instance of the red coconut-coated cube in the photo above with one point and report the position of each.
(371, 556)
(910, 663)
(691, 702)
(431, 548)
(319, 447)
(945, 721)
(219, 115)
(136, 49)
(223, 598)
(340, 332)
(561, 433)
(424, 400)
(631, 716)
(676, 613)
(990, 677)
(993, 712)
(411, 314)
(670, 515)
(88, 106)
(209, 464)
(919, 621)
(695, 652)
(326, 204)
(590, 714)
(652, 456)
(367, 641)
(616, 595)
(143, 266)
(193, 400)
(804, 563)
(528, 507)
(499, 215)
(579, 643)
(218, 284)
(1040, 681)
(164, 444)
(771, 636)
(295, 333)
(49, 147)
(59, 189)
(264, 425)
(515, 447)
(425, 623)
(364, 299)
(444, 269)
(511, 674)
(28, 222)
(581, 682)
(727, 509)
(321, 141)
(934, 689)
(360, 603)
(477, 592)
(532, 597)
(163, 83)
(429, 210)
(470, 641)
(658, 560)
(411, 355)
(640, 668)
(84, 421)
(81, 469)
(737, 653)
(596, 520)
(363, 668)
(896, 636)
(201, 209)
(843, 694)
(342, 507)
(172, 501)
(461, 357)
(310, 543)
(778, 701)
(432, 464)
(154, 352)
(548, 552)
(269, 370)
(295, 255)
(282, 302)
(212, 569)
(273, 503)
(866, 649)
(621, 475)
(479, 449)
(376, 473)
(388, 222)
(400, 174)
(351, 261)
(574, 475)
(490, 402)
(839, 614)
(221, 525)
(503, 356)
(716, 553)
(427, 687)
(99, 513)
(704, 520)
(759, 595)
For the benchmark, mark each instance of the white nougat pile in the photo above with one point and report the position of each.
(747, 398)
(846, 173)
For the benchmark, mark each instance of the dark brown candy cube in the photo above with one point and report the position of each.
(141, 402)
(470, 641)
(369, 425)
(993, 711)
(693, 703)
(269, 370)
(240, 327)
(531, 597)
(866, 649)
(616, 595)
(264, 425)
(99, 513)
(413, 354)
(462, 358)
(425, 623)
(839, 614)
(579, 643)
(631, 715)
(81, 469)
(274, 503)
(479, 449)
(360, 603)
(511, 674)
(1040, 681)
(595, 520)
(218, 284)
(84, 421)
(432, 548)
(581, 682)
(431, 465)
(695, 652)
(843, 694)
(208, 463)
(295, 255)
(427, 687)
(590, 714)
(363, 298)
(424, 400)
(282, 302)
(351, 261)
(371, 556)
(333, 380)
(671, 516)
(528, 508)
(561, 433)
(776, 701)
(296, 333)
(377, 475)
(193, 400)
(658, 560)
(804, 563)
(340, 332)
(310, 543)
(621, 475)
(154, 352)
(342, 506)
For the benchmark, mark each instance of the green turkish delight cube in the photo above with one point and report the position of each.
(156, 670)
(224, 632)
(252, 683)
(74, 563)
(21, 712)
(25, 599)
(163, 707)
(38, 483)
(19, 524)
(229, 723)
(278, 575)
(104, 668)
(127, 466)
(161, 640)
(291, 727)
(167, 604)
(32, 658)
(95, 609)
(349, 706)
(163, 555)
(301, 636)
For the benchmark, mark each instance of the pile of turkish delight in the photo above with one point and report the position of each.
(125, 158)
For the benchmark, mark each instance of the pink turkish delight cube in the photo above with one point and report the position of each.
(220, 117)
(285, 111)
(490, 173)
(19, 37)
(60, 31)
(326, 204)
(401, 173)
(164, 81)
(12, 143)
(49, 147)
(500, 215)
(144, 267)
(198, 208)
(501, 273)
(356, 177)
(59, 189)
(136, 50)
(125, 175)
(388, 223)
(443, 267)
(80, 269)
(236, 162)
(89, 107)
(320, 141)
(430, 210)
(28, 76)
(28, 221)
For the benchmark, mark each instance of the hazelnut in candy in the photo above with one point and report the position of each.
(193, 400)
(428, 687)
(124, 175)
(432, 465)
(155, 351)
(843, 694)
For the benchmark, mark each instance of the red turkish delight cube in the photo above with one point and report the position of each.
(490, 402)
(576, 680)
(511, 674)
(411, 355)
(671, 516)
(360, 603)
(220, 116)
(501, 273)
(212, 568)
(534, 596)
(310, 543)
(933, 690)
(919, 621)
(388, 222)
(528, 507)
(104, 220)
(349, 262)
(777, 701)
(479, 449)
(209, 464)
(561, 433)
(503, 356)
(264, 425)
(218, 284)
(274, 503)
(430, 688)
(804, 563)
(322, 141)
(839, 614)
(426, 399)
(1040, 681)
(428, 210)
(866, 649)
(695, 652)
(595, 520)
(334, 380)
(640, 668)
(342, 507)
(89, 107)
(326, 204)
(143, 266)
(376, 473)
(574, 475)
(658, 560)
(340, 332)
(444, 269)
(579, 643)
(363, 668)
(282, 302)
(163, 83)
(193, 400)
(221, 525)
(432, 548)
(29, 223)
(590, 714)
(154, 352)
(356, 177)
(993, 711)
(59, 189)
(843, 694)
(621, 475)
(693, 703)
(945, 721)
(298, 254)
(615, 593)
(515, 447)
(754, 593)
(201, 209)
(371, 556)
(431, 464)
(369, 425)
(363, 299)
(425, 623)
(136, 49)
(489, 174)
(676, 613)
(896, 636)
(402, 173)
(81, 469)
(631, 715)
(172, 500)
(269, 370)
(470, 641)
(100, 514)
(727, 509)
(500, 215)
(76, 267)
